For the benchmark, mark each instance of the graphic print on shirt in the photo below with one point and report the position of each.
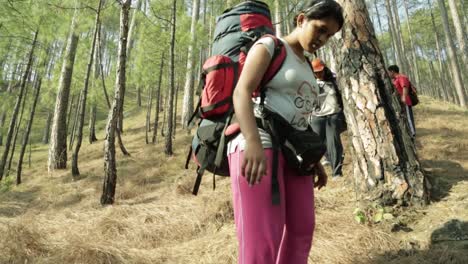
(304, 101)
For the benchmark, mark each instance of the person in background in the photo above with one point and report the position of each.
(403, 85)
(327, 120)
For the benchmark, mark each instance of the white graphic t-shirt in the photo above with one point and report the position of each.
(291, 93)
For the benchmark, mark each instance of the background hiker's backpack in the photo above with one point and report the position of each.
(237, 29)
(413, 95)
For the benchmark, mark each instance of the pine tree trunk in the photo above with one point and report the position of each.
(386, 168)
(278, 19)
(58, 137)
(158, 101)
(27, 132)
(92, 124)
(170, 101)
(187, 106)
(459, 31)
(413, 46)
(398, 33)
(393, 34)
(110, 178)
(46, 134)
(149, 107)
(17, 128)
(380, 28)
(75, 121)
(442, 73)
(82, 110)
(17, 107)
(2, 122)
(138, 96)
(70, 109)
(452, 54)
(174, 122)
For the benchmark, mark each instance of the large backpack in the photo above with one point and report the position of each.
(237, 29)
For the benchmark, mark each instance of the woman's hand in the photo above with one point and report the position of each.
(321, 175)
(254, 163)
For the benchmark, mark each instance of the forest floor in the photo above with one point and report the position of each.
(155, 219)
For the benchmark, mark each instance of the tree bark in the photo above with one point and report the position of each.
(17, 107)
(17, 128)
(110, 177)
(82, 110)
(459, 31)
(58, 138)
(27, 132)
(92, 124)
(413, 46)
(75, 121)
(187, 106)
(46, 134)
(158, 101)
(445, 84)
(452, 54)
(2, 122)
(149, 107)
(386, 167)
(170, 101)
(278, 19)
(393, 34)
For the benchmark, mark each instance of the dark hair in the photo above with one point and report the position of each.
(319, 9)
(393, 68)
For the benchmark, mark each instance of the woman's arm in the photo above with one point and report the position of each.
(256, 64)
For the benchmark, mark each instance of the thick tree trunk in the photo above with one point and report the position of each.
(386, 168)
(92, 124)
(58, 137)
(82, 110)
(110, 177)
(452, 54)
(17, 107)
(46, 134)
(187, 106)
(27, 132)
(158, 101)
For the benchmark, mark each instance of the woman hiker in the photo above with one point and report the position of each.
(269, 233)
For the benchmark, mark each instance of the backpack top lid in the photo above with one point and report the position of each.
(239, 26)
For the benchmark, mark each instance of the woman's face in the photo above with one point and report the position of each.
(315, 32)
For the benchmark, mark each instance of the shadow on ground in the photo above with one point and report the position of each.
(448, 245)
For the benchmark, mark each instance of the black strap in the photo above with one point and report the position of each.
(196, 187)
(218, 67)
(189, 156)
(208, 108)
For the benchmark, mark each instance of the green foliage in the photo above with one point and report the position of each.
(6, 184)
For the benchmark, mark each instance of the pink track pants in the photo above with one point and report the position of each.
(267, 233)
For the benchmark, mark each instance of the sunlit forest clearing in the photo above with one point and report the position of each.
(95, 99)
(156, 219)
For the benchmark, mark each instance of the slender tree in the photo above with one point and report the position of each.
(187, 106)
(46, 133)
(58, 138)
(170, 101)
(452, 54)
(460, 31)
(110, 170)
(158, 100)
(84, 95)
(17, 106)
(385, 164)
(28, 131)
